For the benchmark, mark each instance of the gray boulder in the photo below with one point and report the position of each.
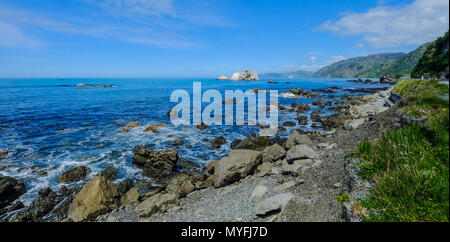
(273, 204)
(300, 152)
(238, 164)
(273, 153)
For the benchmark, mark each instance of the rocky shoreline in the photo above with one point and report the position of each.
(262, 179)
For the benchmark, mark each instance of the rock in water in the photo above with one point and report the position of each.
(74, 174)
(157, 164)
(109, 173)
(3, 153)
(97, 197)
(221, 78)
(245, 76)
(238, 164)
(10, 190)
(40, 207)
(217, 142)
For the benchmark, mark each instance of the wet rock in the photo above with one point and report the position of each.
(109, 173)
(298, 92)
(325, 90)
(132, 124)
(300, 108)
(273, 204)
(296, 138)
(187, 165)
(315, 115)
(74, 174)
(217, 142)
(333, 121)
(272, 82)
(238, 164)
(14, 207)
(3, 153)
(289, 124)
(124, 186)
(318, 102)
(300, 152)
(157, 164)
(201, 126)
(209, 169)
(40, 207)
(97, 197)
(235, 144)
(302, 120)
(177, 143)
(67, 196)
(273, 153)
(158, 202)
(154, 128)
(253, 142)
(10, 190)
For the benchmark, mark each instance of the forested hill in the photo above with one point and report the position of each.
(434, 61)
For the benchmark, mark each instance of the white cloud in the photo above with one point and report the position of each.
(303, 67)
(11, 36)
(313, 58)
(140, 7)
(337, 58)
(390, 26)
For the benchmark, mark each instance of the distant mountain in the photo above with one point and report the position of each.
(353, 67)
(296, 74)
(434, 61)
(402, 66)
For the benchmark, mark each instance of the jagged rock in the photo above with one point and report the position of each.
(264, 169)
(273, 204)
(184, 183)
(296, 138)
(132, 124)
(3, 153)
(238, 164)
(315, 115)
(124, 186)
(300, 108)
(298, 92)
(289, 124)
(273, 153)
(235, 144)
(201, 126)
(97, 197)
(157, 202)
(302, 120)
(14, 207)
(177, 143)
(217, 142)
(153, 128)
(187, 165)
(209, 169)
(74, 174)
(253, 142)
(157, 164)
(296, 167)
(40, 207)
(109, 173)
(245, 76)
(10, 190)
(353, 124)
(131, 197)
(300, 152)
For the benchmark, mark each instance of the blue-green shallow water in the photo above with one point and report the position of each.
(52, 125)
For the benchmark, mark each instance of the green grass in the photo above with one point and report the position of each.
(410, 166)
(414, 87)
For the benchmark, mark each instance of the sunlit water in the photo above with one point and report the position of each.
(51, 125)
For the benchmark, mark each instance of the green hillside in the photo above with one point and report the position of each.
(402, 66)
(435, 59)
(353, 67)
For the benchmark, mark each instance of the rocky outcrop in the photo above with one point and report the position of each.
(217, 142)
(153, 127)
(238, 164)
(298, 92)
(252, 142)
(201, 126)
(10, 190)
(157, 202)
(131, 197)
(3, 153)
(157, 163)
(109, 173)
(273, 153)
(245, 76)
(221, 78)
(40, 207)
(74, 174)
(97, 197)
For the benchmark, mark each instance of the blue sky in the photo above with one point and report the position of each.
(197, 38)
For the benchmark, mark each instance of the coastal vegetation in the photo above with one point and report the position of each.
(434, 61)
(410, 166)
